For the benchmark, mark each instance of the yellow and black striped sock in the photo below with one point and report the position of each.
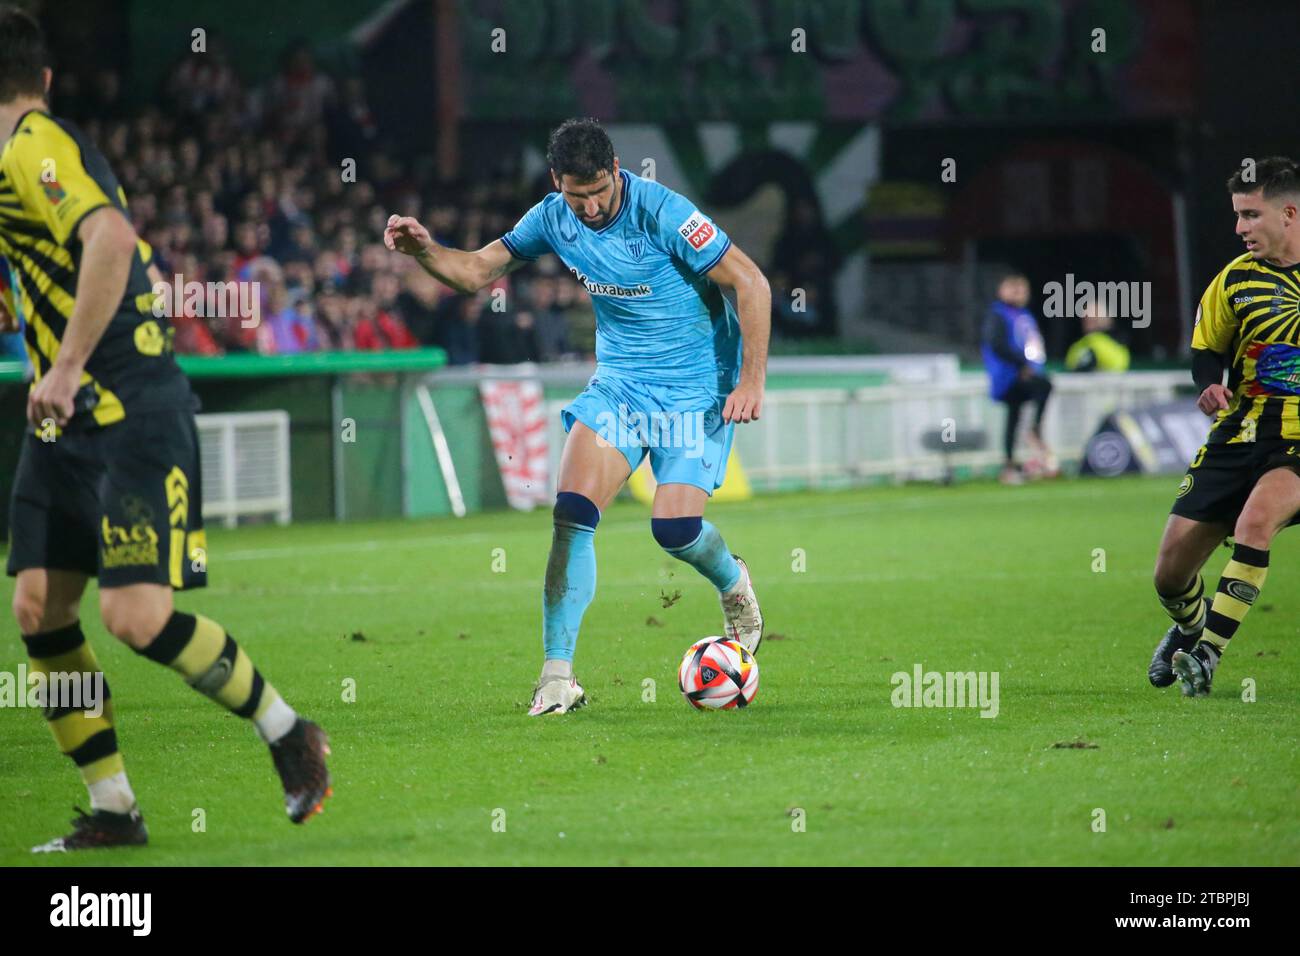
(1186, 609)
(89, 740)
(1243, 577)
(212, 663)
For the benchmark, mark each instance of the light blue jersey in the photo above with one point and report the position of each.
(659, 319)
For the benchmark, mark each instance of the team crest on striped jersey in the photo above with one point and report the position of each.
(1277, 366)
(54, 192)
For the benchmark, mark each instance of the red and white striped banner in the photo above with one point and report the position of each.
(517, 424)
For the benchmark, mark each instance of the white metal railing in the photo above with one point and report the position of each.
(814, 437)
(245, 465)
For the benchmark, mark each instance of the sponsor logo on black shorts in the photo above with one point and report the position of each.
(1185, 485)
(123, 546)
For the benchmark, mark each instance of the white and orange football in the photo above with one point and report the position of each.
(718, 673)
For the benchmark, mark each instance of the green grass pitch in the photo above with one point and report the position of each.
(436, 763)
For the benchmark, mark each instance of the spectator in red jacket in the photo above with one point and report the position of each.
(378, 329)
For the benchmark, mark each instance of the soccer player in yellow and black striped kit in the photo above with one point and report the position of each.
(108, 478)
(1244, 482)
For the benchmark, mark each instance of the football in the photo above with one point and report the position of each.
(718, 674)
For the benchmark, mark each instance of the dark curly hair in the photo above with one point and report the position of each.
(581, 149)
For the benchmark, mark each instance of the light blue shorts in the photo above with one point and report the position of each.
(679, 426)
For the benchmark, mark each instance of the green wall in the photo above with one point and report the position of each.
(311, 430)
(460, 411)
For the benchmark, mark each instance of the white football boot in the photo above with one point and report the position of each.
(742, 620)
(558, 695)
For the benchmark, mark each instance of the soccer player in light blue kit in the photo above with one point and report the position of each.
(676, 367)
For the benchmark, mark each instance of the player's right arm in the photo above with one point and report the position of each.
(464, 272)
(51, 179)
(1212, 337)
(108, 248)
(1207, 372)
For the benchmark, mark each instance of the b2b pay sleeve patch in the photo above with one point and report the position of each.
(697, 230)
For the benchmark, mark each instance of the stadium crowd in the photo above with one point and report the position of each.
(235, 184)
(231, 183)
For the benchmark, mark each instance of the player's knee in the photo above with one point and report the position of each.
(134, 620)
(676, 533)
(573, 508)
(1170, 581)
(35, 611)
(1254, 529)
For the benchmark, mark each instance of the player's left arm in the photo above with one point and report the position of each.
(108, 248)
(754, 304)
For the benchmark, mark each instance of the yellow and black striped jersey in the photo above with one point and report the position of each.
(51, 178)
(1250, 314)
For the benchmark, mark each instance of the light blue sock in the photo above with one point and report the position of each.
(699, 544)
(570, 574)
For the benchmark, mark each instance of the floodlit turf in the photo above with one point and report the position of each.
(443, 650)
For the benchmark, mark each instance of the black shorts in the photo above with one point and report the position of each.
(122, 502)
(1221, 478)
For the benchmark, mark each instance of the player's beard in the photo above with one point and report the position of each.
(605, 213)
(600, 222)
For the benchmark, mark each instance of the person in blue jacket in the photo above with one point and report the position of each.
(1014, 356)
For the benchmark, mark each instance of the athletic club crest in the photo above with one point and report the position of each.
(636, 246)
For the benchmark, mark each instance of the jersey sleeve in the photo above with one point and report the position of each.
(51, 180)
(691, 236)
(1216, 322)
(527, 240)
